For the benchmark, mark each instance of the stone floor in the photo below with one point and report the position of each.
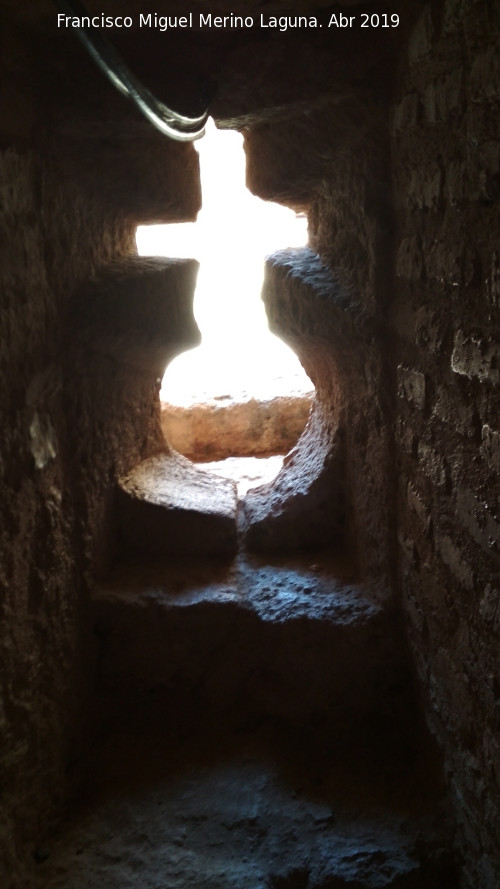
(253, 729)
(251, 809)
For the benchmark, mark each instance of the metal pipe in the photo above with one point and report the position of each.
(169, 122)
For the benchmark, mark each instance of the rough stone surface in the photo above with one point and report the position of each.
(290, 637)
(72, 419)
(256, 819)
(447, 407)
(167, 505)
(235, 428)
(138, 311)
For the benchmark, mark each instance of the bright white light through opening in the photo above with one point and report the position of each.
(234, 231)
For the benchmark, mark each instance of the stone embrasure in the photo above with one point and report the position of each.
(168, 506)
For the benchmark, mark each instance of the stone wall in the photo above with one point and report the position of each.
(41, 604)
(445, 313)
(420, 405)
(73, 189)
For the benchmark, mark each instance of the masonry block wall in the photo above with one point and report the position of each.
(445, 311)
(72, 194)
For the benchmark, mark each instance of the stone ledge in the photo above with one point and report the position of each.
(233, 428)
(168, 506)
(139, 311)
(292, 638)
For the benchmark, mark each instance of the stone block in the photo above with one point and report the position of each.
(167, 506)
(43, 440)
(443, 260)
(433, 464)
(480, 519)
(476, 356)
(453, 409)
(418, 506)
(453, 558)
(411, 386)
(429, 329)
(490, 446)
(236, 427)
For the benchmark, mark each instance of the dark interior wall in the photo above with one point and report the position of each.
(445, 313)
(420, 399)
(74, 185)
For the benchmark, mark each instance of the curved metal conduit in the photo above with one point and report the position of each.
(169, 122)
